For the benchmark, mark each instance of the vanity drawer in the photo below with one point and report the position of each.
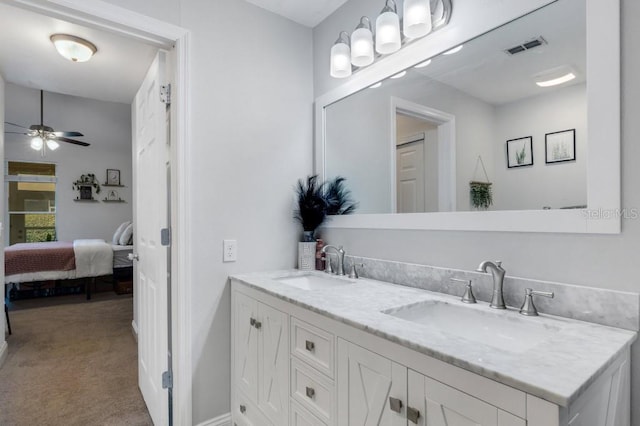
(245, 413)
(313, 345)
(313, 391)
(302, 417)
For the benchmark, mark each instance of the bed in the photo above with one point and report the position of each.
(60, 260)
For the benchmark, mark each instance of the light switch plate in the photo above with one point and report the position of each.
(229, 250)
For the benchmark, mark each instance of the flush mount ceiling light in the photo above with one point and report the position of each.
(73, 48)
(555, 76)
(420, 17)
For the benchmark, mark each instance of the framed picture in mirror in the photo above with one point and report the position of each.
(113, 177)
(520, 152)
(560, 146)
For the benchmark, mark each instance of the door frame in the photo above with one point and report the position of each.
(446, 149)
(127, 23)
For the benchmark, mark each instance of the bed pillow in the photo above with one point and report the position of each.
(126, 236)
(116, 236)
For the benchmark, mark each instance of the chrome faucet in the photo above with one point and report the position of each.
(497, 300)
(340, 252)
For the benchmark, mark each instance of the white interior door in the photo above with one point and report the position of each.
(150, 156)
(410, 180)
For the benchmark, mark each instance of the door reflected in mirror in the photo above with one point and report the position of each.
(412, 144)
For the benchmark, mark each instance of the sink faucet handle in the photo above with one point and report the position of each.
(327, 265)
(528, 308)
(468, 296)
(354, 272)
(498, 263)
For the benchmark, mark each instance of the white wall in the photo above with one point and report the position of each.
(554, 185)
(252, 124)
(106, 126)
(3, 201)
(603, 261)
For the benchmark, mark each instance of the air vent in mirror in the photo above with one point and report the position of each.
(528, 45)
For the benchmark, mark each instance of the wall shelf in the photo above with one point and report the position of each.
(116, 186)
(77, 200)
(113, 201)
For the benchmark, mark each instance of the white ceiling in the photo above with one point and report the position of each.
(28, 58)
(306, 12)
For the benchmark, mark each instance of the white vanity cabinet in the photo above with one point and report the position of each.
(261, 362)
(293, 366)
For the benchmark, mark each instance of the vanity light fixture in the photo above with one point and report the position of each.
(388, 29)
(423, 64)
(416, 20)
(362, 44)
(363, 47)
(454, 50)
(73, 48)
(399, 75)
(341, 57)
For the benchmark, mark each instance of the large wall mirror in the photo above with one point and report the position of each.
(530, 107)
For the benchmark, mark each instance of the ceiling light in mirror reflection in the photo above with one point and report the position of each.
(454, 50)
(555, 76)
(493, 99)
(399, 75)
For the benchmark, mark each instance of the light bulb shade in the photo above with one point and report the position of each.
(340, 60)
(37, 143)
(388, 33)
(52, 145)
(73, 48)
(362, 47)
(416, 21)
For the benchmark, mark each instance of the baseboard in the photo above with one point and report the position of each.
(223, 420)
(134, 330)
(4, 347)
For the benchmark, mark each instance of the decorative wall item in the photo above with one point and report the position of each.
(113, 177)
(112, 195)
(520, 152)
(480, 191)
(560, 146)
(85, 185)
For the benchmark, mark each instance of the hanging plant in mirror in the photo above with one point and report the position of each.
(481, 197)
(317, 199)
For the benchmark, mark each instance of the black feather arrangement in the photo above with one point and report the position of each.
(317, 199)
(338, 198)
(312, 207)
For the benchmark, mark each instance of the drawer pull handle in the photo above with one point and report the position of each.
(413, 415)
(309, 345)
(252, 322)
(310, 392)
(243, 409)
(258, 325)
(395, 404)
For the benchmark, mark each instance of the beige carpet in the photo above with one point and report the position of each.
(72, 364)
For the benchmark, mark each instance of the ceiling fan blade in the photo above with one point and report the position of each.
(14, 124)
(73, 141)
(16, 133)
(68, 134)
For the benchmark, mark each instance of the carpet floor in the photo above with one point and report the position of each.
(73, 364)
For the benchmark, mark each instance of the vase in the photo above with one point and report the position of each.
(307, 256)
(308, 236)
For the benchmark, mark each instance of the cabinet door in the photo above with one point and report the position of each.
(246, 345)
(273, 355)
(367, 383)
(442, 405)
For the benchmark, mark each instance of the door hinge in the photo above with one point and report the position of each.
(165, 236)
(167, 380)
(165, 94)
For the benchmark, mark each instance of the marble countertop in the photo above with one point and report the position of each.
(558, 368)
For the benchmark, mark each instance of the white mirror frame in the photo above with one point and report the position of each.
(602, 215)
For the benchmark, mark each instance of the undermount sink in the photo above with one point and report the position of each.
(313, 282)
(504, 330)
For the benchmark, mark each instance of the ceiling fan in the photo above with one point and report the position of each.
(44, 136)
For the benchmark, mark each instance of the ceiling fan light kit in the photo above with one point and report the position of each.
(73, 48)
(45, 137)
